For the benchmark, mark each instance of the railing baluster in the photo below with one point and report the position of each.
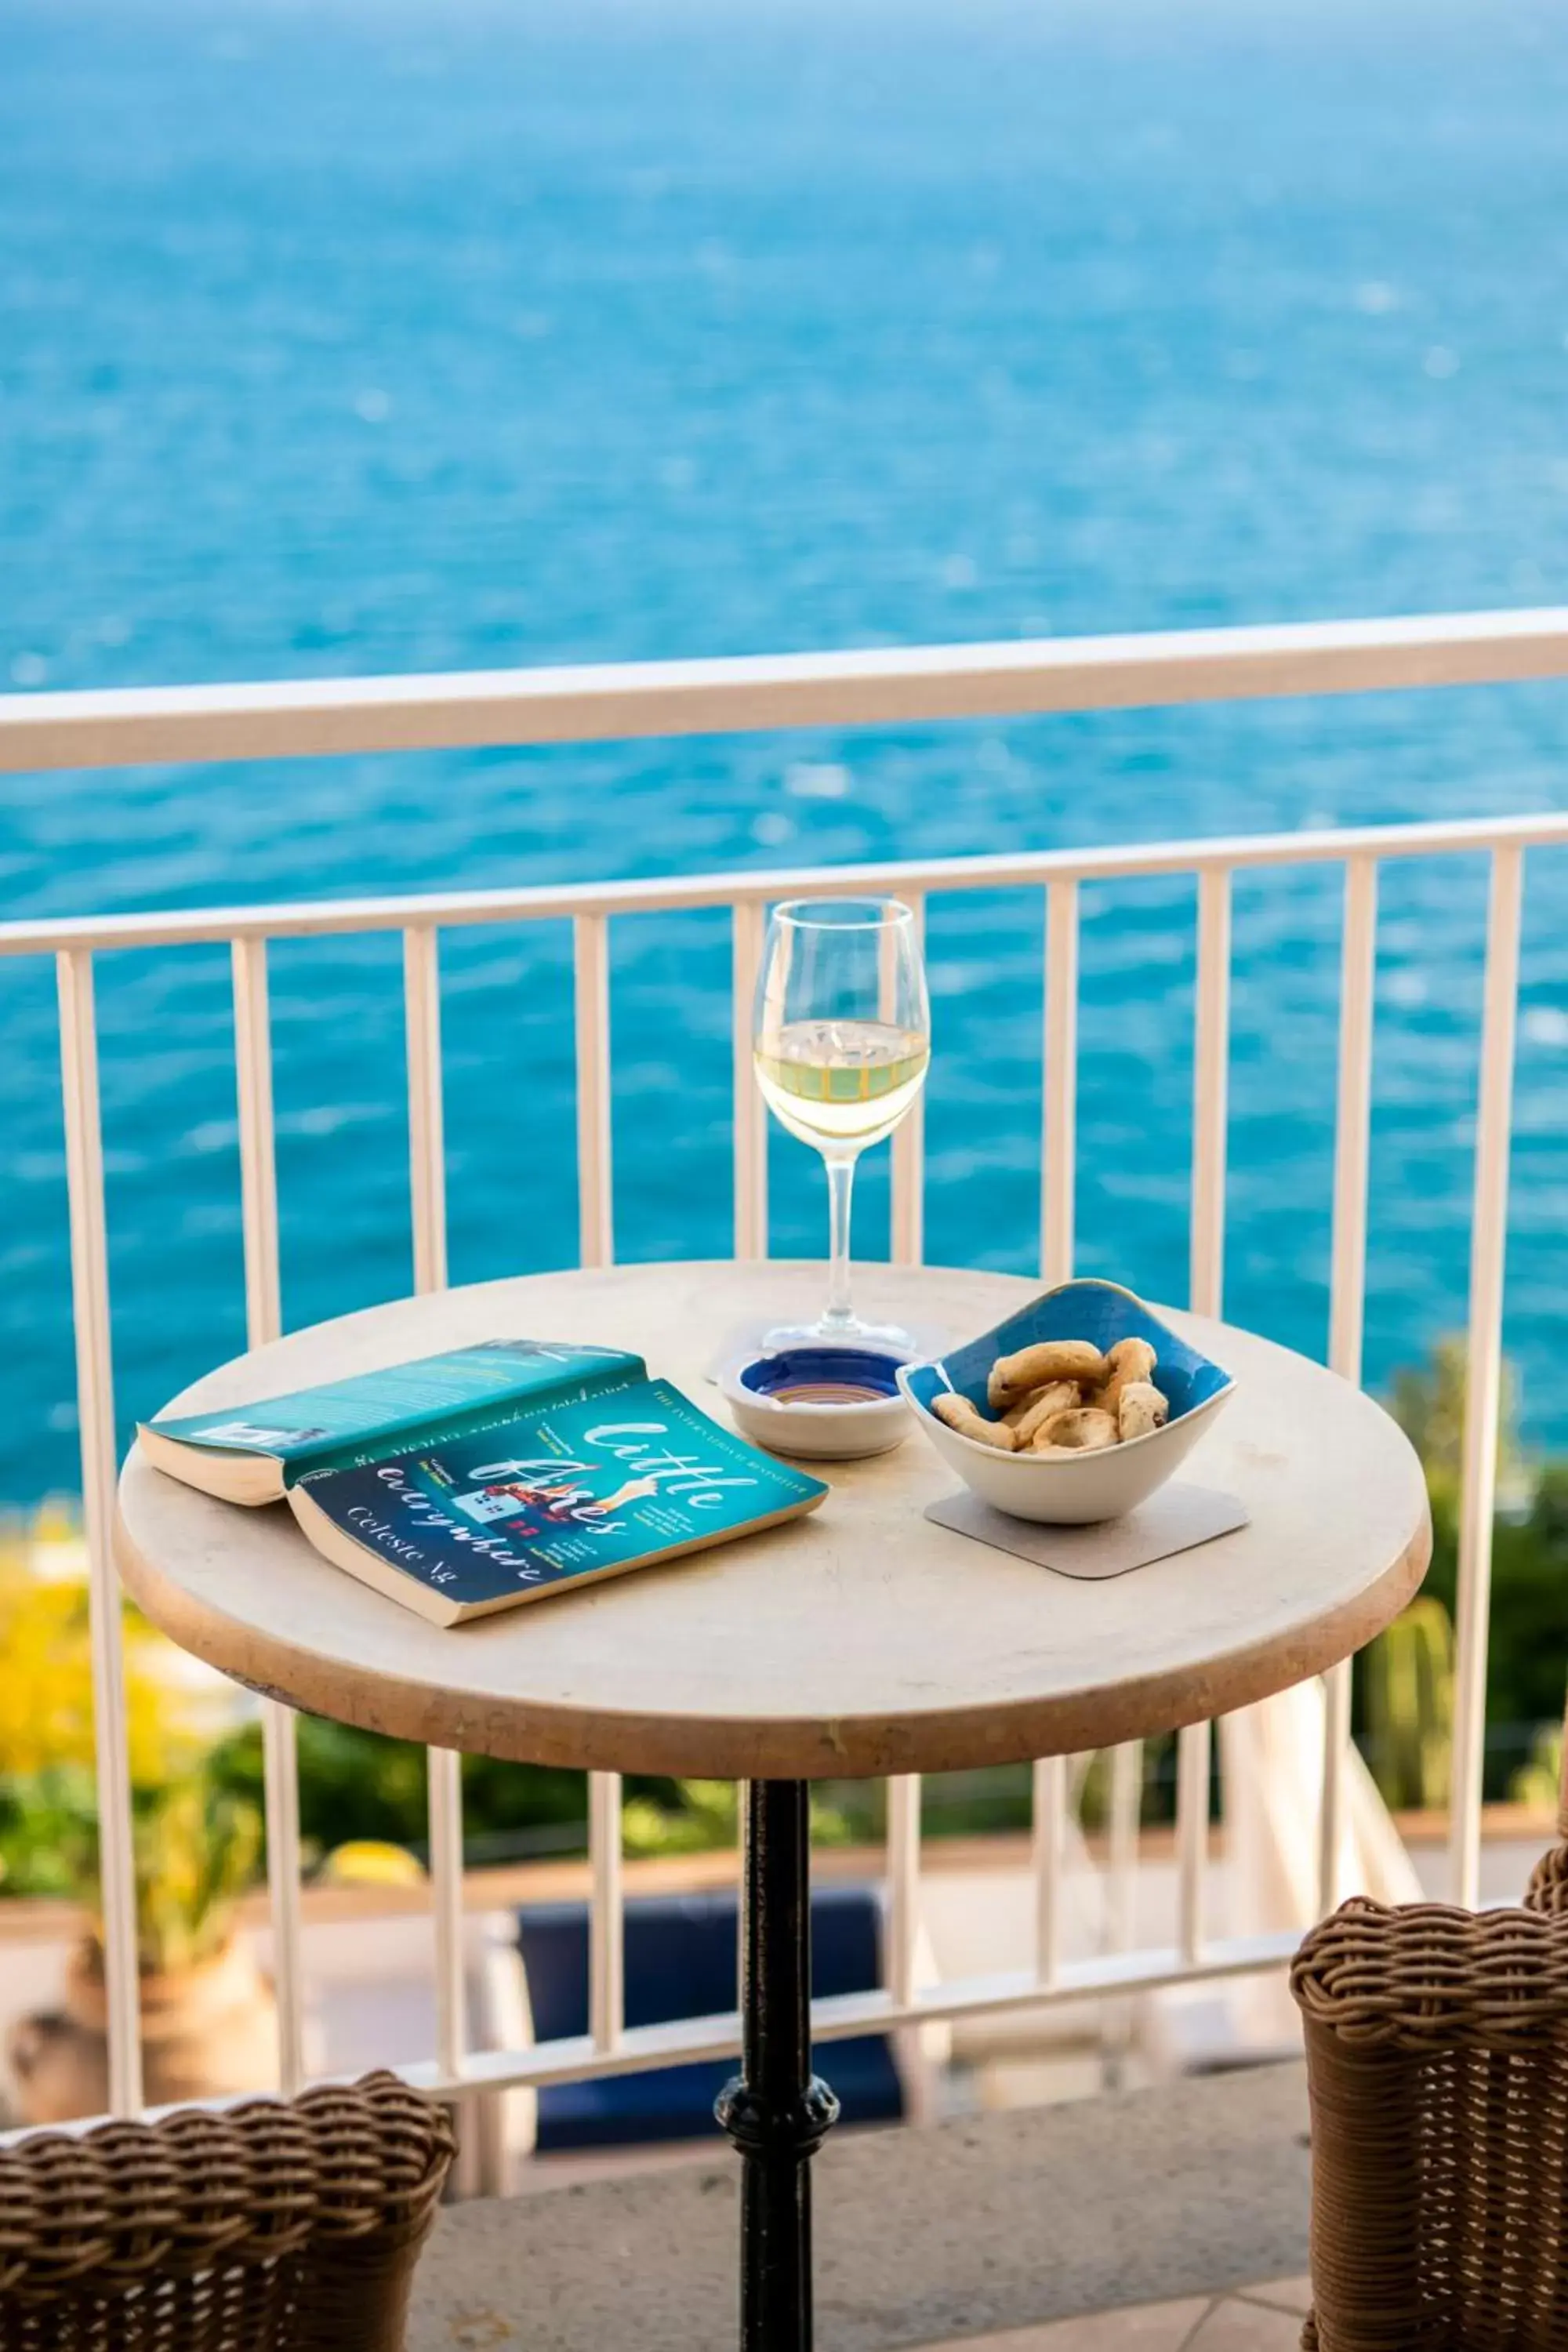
(903, 1884)
(1210, 1093)
(1192, 1745)
(1211, 1064)
(264, 1322)
(595, 1218)
(258, 1153)
(1483, 1393)
(428, 1197)
(426, 1122)
(1059, 1181)
(280, 1777)
(1049, 1852)
(606, 1998)
(750, 1113)
(596, 1223)
(444, 1805)
(1352, 1122)
(1353, 1140)
(95, 1406)
(258, 1150)
(909, 1148)
(1059, 1156)
(1125, 1807)
(1332, 1808)
(1122, 1893)
(908, 1237)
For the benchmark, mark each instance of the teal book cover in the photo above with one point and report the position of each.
(559, 1495)
(354, 1419)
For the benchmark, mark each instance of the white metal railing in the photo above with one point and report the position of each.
(42, 731)
(121, 726)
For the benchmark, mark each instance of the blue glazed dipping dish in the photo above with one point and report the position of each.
(823, 1403)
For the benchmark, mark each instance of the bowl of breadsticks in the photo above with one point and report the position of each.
(1074, 1409)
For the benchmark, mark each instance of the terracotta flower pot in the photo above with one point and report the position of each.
(207, 2031)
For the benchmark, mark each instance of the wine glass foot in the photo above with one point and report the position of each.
(842, 1331)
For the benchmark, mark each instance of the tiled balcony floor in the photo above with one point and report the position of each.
(1257, 2319)
(1152, 2213)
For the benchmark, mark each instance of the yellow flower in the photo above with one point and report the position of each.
(45, 1666)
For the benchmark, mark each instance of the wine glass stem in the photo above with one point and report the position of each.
(840, 1188)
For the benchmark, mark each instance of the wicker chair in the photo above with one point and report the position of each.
(280, 2226)
(1438, 2070)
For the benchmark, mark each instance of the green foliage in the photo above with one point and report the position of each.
(355, 1785)
(1527, 1660)
(1536, 1784)
(48, 1831)
(706, 1815)
(1427, 1401)
(1409, 1698)
(352, 1784)
(196, 1851)
(195, 1847)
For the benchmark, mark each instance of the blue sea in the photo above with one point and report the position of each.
(435, 335)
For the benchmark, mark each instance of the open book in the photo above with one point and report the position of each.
(475, 1481)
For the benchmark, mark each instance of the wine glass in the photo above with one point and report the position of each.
(841, 1041)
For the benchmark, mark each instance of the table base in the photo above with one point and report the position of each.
(776, 2110)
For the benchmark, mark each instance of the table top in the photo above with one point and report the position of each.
(859, 1640)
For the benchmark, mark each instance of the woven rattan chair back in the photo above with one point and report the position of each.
(1437, 2071)
(280, 2226)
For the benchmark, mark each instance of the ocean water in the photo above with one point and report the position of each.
(357, 338)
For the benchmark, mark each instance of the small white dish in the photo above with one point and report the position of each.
(819, 1403)
(1072, 1489)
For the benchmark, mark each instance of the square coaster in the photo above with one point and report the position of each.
(1173, 1520)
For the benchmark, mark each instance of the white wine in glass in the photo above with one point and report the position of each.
(841, 1046)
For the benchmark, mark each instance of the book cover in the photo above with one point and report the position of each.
(352, 1419)
(563, 1493)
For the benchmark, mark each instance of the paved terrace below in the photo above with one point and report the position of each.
(1136, 2223)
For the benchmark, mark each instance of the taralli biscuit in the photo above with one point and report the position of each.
(1012, 1377)
(970, 1422)
(1128, 1360)
(1140, 1408)
(1083, 1429)
(1042, 1404)
(1062, 1397)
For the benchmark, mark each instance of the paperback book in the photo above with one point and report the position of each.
(481, 1480)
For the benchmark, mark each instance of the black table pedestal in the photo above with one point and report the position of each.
(776, 2110)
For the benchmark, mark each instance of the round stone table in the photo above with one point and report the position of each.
(860, 1640)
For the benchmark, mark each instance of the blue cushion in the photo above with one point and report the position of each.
(681, 1961)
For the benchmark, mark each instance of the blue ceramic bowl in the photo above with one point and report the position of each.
(1072, 1489)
